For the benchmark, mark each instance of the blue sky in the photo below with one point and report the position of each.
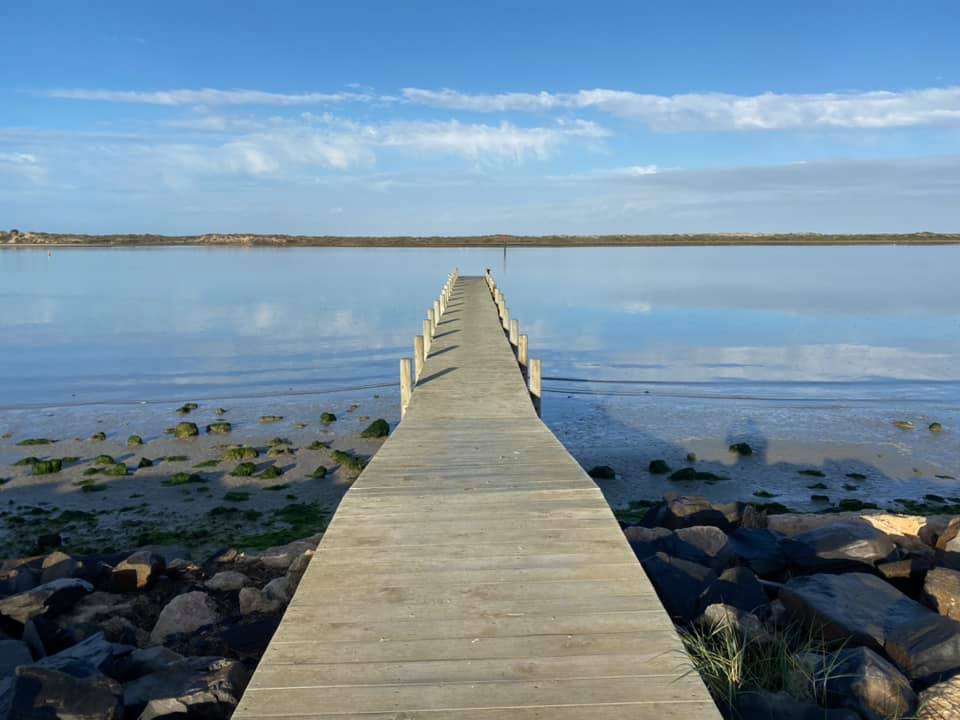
(459, 118)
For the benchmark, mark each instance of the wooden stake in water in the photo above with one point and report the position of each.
(418, 357)
(536, 390)
(405, 387)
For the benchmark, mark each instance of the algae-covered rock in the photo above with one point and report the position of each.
(219, 428)
(270, 418)
(186, 430)
(187, 408)
(741, 448)
(237, 454)
(602, 472)
(34, 441)
(244, 469)
(319, 473)
(47, 467)
(348, 461)
(117, 469)
(379, 428)
(812, 473)
(98, 437)
(27, 461)
(318, 445)
(935, 427)
(658, 467)
(134, 441)
(690, 473)
(271, 472)
(183, 478)
(277, 441)
(104, 460)
(903, 424)
(236, 496)
(219, 412)
(145, 463)
(327, 418)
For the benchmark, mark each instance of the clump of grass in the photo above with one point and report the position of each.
(240, 453)
(35, 441)
(207, 464)
(244, 469)
(300, 520)
(182, 478)
(348, 461)
(270, 418)
(635, 511)
(236, 496)
(219, 428)
(379, 428)
(134, 441)
(271, 472)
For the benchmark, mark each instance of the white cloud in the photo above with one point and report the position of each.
(207, 96)
(22, 166)
(722, 111)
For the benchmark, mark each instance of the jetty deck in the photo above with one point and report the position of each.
(474, 571)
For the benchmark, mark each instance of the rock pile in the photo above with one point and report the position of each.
(150, 635)
(890, 599)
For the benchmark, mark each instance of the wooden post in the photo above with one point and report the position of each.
(405, 388)
(522, 353)
(536, 390)
(436, 314)
(514, 332)
(427, 338)
(506, 318)
(443, 303)
(418, 357)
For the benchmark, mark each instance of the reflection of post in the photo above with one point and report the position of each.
(522, 354)
(405, 389)
(418, 357)
(536, 391)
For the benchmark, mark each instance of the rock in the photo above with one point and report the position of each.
(169, 553)
(658, 467)
(703, 544)
(947, 544)
(186, 430)
(297, 568)
(746, 623)
(864, 609)
(889, 523)
(39, 693)
(903, 424)
(145, 661)
(55, 597)
(48, 541)
(58, 565)
(44, 636)
(273, 597)
(19, 575)
(281, 557)
(838, 547)
(648, 541)
(219, 428)
(686, 510)
(741, 448)
(940, 701)
(95, 652)
(98, 606)
(227, 581)
(249, 640)
(737, 587)
(137, 571)
(379, 428)
(758, 549)
(935, 427)
(12, 654)
(941, 591)
(764, 705)
(184, 614)
(679, 583)
(861, 680)
(602, 472)
(206, 687)
(905, 575)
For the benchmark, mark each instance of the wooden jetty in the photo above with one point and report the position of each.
(474, 571)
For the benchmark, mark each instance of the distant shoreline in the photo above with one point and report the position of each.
(38, 239)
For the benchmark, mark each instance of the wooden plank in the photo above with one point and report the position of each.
(473, 571)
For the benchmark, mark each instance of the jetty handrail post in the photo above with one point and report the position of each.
(406, 389)
(514, 332)
(432, 318)
(506, 319)
(436, 314)
(536, 379)
(418, 357)
(522, 357)
(427, 338)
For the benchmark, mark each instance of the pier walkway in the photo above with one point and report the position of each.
(474, 571)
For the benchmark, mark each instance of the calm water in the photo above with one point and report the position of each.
(808, 352)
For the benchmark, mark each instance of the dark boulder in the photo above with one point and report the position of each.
(95, 652)
(865, 610)
(54, 597)
(737, 587)
(861, 680)
(144, 661)
(836, 547)
(13, 653)
(249, 640)
(206, 687)
(906, 575)
(702, 544)
(19, 574)
(602, 472)
(758, 549)
(687, 510)
(39, 693)
(137, 571)
(658, 467)
(648, 541)
(941, 591)
(764, 705)
(679, 583)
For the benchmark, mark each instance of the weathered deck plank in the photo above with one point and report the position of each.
(474, 571)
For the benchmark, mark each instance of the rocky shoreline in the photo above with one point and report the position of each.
(879, 594)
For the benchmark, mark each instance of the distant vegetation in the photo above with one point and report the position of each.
(14, 237)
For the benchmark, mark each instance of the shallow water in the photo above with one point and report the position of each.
(809, 353)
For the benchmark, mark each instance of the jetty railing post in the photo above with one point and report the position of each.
(432, 318)
(536, 390)
(418, 357)
(436, 314)
(514, 332)
(405, 388)
(506, 318)
(427, 338)
(522, 353)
